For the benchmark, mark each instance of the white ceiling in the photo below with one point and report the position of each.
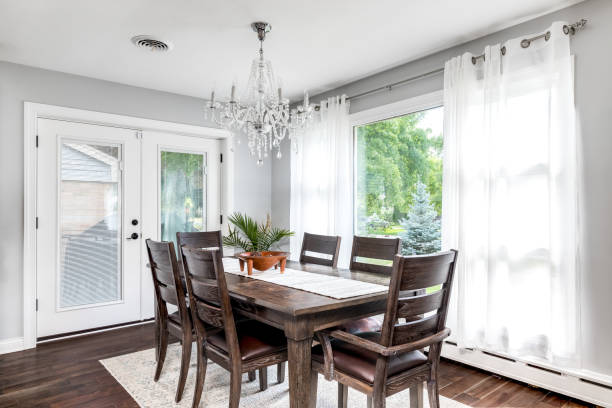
(315, 44)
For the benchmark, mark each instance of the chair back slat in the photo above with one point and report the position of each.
(383, 249)
(418, 305)
(415, 330)
(204, 239)
(322, 244)
(166, 278)
(168, 294)
(425, 314)
(210, 314)
(426, 271)
(206, 290)
(208, 294)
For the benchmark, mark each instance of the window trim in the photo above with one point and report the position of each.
(404, 107)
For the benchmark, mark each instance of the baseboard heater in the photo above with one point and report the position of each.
(595, 388)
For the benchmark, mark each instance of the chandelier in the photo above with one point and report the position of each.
(263, 114)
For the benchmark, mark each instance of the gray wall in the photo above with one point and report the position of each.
(19, 83)
(593, 101)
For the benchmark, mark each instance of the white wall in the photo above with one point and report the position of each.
(594, 104)
(20, 83)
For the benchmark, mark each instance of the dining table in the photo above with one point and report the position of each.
(300, 314)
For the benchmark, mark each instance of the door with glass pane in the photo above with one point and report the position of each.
(180, 191)
(88, 252)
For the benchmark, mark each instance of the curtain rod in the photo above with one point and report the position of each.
(570, 29)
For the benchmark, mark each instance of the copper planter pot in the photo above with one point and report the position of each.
(262, 261)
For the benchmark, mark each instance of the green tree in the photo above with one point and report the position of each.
(392, 155)
(422, 226)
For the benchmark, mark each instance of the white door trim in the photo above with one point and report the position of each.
(34, 111)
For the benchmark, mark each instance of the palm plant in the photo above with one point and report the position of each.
(252, 236)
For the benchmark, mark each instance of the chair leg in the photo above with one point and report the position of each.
(200, 376)
(185, 359)
(252, 376)
(263, 379)
(342, 395)
(432, 393)
(314, 382)
(369, 401)
(163, 347)
(416, 396)
(235, 386)
(157, 337)
(280, 373)
(379, 400)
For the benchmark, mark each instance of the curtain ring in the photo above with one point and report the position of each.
(525, 43)
(547, 36)
(503, 50)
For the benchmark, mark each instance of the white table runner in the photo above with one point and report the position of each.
(331, 286)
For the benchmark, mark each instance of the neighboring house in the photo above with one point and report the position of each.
(90, 196)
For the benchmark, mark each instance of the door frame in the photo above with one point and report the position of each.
(34, 111)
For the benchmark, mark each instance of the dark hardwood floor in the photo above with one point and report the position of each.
(67, 373)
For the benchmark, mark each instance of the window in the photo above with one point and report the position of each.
(398, 179)
(183, 204)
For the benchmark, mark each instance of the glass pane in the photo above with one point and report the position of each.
(90, 224)
(183, 206)
(398, 190)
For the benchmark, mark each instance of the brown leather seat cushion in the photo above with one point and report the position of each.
(255, 340)
(361, 364)
(367, 324)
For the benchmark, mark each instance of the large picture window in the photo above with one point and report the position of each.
(398, 179)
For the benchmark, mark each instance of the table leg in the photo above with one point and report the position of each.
(299, 374)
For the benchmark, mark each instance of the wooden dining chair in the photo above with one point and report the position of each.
(214, 239)
(384, 363)
(384, 249)
(169, 290)
(320, 244)
(242, 348)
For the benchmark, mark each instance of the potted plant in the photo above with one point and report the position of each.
(256, 240)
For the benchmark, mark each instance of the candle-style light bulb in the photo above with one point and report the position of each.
(306, 101)
(212, 98)
(233, 99)
(280, 94)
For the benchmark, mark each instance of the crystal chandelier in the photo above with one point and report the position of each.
(263, 114)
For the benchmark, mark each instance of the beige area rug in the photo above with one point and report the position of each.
(135, 373)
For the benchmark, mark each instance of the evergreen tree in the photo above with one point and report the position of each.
(421, 233)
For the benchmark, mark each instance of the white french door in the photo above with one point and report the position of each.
(88, 273)
(180, 191)
(101, 191)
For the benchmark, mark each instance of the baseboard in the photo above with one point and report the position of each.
(573, 384)
(11, 345)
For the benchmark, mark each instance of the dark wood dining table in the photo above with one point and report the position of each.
(300, 314)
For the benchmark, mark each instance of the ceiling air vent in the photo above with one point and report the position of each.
(151, 43)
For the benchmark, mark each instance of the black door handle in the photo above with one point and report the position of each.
(133, 236)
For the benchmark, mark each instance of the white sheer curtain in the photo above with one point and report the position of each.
(321, 179)
(510, 202)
